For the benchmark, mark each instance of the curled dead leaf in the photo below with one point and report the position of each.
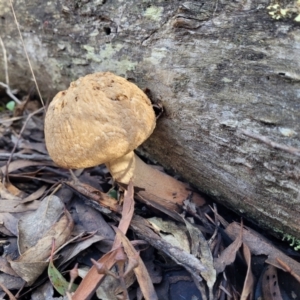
(248, 288)
(33, 262)
(139, 268)
(227, 257)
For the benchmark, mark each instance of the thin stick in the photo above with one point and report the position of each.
(275, 145)
(288, 269)
(10, 295)
(6, 86)
(29, 63)
(34, 156)
(9, 93)
(217, 224)
(5, 61)
(2, 121)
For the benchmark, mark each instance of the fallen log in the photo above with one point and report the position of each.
(227, 74)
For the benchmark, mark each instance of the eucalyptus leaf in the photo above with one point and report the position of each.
(58, 281)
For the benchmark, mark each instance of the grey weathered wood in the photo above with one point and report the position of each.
(223, 70)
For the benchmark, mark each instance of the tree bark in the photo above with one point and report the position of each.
(226, 73)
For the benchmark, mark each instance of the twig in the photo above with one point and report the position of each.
(10, 119)
(35, 156)
(16, 144)
(9, 93)
(5, 61)
(267, 141)
(217, 224)
(29, 63)
(10, 295)
(288, 269)
(6, 86)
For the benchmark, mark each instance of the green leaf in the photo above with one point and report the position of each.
(113, 193)
(58, 281)
(11, 105)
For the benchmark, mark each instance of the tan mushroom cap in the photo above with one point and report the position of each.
(98, 119)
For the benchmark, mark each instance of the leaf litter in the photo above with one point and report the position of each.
(109, 237)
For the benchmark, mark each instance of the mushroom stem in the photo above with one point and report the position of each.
(152, 185)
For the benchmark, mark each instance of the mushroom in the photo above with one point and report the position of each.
(102, 118)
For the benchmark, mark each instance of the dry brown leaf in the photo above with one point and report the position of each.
(110, 286)
(143, 229)
(95, 195)
(29, 271)
(140, 271)
(60, 232)
(14, 190)
(199, 244)
(20, 164)
(6, 268)
(160, 206)
(33, 226)
(5, 194)
(5, 232)
(270, 287)
(258, 245)
(14, 206)
(194, 246)
(89, 284)
(73, 249)
(227, 257)
(113, 287)
(34, 196)
(128, 209)
(175, 234)
(6, 121)
(32, 262)
(248, 287)
(93, 221)
(38, 147)
(10, 222)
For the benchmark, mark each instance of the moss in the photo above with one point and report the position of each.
(294, 242)
(277, 12)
